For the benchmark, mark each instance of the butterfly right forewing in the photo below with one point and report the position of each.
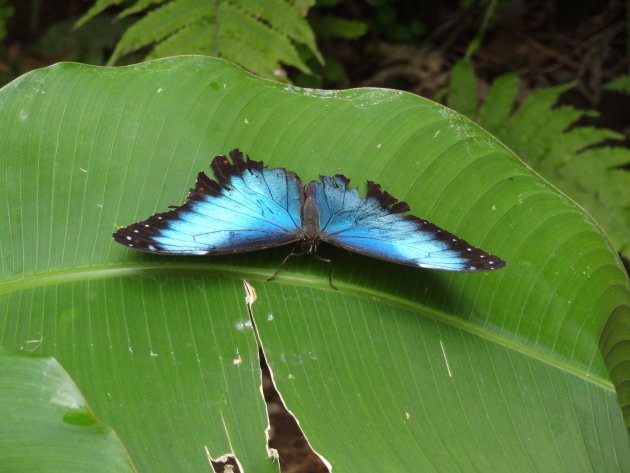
(375, 226)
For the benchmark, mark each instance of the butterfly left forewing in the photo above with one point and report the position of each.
(250, 207)
(375, 226)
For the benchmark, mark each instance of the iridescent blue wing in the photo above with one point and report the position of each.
(249, 207)
(374, 226)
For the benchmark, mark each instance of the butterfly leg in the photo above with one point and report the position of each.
(293, 253)
(329, 261)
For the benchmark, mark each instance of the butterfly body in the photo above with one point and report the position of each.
(251, 207)
(310, 226)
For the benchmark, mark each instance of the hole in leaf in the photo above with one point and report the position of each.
(286, 441)
(225, 464)
(285, 436)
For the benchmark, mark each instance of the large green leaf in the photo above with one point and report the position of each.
(44, 417)
(400, 370)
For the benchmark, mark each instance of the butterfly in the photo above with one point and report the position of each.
(251, 207)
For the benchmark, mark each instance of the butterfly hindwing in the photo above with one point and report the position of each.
(249, 207)
(374, 226)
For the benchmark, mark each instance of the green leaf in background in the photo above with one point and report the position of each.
(329, 25)
(257, 35)
(572, 158)
(400, 370)
(620, 84)
(463, 89)
(44, 417)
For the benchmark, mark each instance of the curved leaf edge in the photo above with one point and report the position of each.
(80, 415)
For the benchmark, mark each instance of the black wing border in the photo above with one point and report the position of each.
(477, 260)
(140, 235)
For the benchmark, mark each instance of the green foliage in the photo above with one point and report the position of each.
(257, 35)
(41, 406)
(329, 25)
(620, 84)
(575, 159)
(6, 12)
(387, 22)
(87, 44)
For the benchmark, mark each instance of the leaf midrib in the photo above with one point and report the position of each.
(42, 279)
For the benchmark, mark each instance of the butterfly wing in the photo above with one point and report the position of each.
(374, 226)
(250, 207)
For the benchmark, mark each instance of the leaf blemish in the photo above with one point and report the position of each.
(448, 368)
(243, 325)
(238, 360)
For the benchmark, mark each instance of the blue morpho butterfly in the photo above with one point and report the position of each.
(252, 207)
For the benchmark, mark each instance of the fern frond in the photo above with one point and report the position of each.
(95, 9)
(330, 25)
(577, 140)
(462, 94)
(537, 130)
(236, 22)
(303, 6)
(198, 38)
(525, 121)
(138, 7)
(161, 23)
(570, 158)
(620, 84)
(284, 18)
(497, 107)
(235, 50)
(263, 33)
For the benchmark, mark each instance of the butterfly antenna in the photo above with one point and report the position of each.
(330, 267)
(293, 253)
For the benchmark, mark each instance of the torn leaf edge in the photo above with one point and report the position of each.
(250, 298)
